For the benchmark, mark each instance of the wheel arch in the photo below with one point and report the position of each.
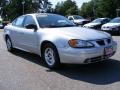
(44, 43)
(56, 53)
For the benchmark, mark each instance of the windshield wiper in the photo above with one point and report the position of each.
(68, 25)
(53, 26)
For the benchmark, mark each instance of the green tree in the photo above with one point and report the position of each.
(15, 7)
(106, 8)
(86, 10)
(100, 8)
(59, 8)
(67, 7)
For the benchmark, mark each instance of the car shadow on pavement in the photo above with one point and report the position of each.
(102, 73)
(29, 57)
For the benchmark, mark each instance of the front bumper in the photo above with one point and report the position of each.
(112, 31)
(97, 27)
(85, 56)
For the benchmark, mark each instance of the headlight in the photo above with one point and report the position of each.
(76, 43)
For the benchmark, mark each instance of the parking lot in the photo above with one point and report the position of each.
(24, 71)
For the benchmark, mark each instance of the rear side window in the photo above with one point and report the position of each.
(18, 22)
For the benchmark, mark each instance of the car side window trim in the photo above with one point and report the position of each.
(20, 25)
(34, 23)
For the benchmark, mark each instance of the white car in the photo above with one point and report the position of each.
(113, 26)
(78, 20)
(57, 40)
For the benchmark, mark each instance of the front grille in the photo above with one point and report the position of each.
(95, 59)
(104, 42)
(99, 58)
(101, 42)
(108, 41)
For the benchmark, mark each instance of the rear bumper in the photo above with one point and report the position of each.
(85, 56)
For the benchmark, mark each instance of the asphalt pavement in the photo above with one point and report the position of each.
(24, 71)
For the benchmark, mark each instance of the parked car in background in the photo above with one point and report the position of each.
(97, 23)
(1, 24)
(78, 20)
(113, 26)
(58, 40)
(4, 23)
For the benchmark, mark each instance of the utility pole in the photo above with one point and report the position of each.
(23, 3)
(94, 5)
(117, 12)
(0, 11)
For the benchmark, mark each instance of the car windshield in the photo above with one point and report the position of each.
(77, 17)
(116, 20)
(97, 20)
(53, 21)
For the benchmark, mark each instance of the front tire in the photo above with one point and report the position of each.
(50, 56)
(9, 44)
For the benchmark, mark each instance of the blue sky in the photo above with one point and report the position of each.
(79, 2)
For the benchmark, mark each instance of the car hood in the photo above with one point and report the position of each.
(111, 24)
(92, 24)
(78, 33)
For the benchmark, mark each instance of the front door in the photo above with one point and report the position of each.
(30, 36)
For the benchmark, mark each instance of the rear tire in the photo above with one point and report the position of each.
(50, 56)
(9, 44)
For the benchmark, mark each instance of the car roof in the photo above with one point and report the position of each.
(40, 14)
(117, 18)
(73, 15)
(102, 18)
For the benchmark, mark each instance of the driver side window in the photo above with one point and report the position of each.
(29, 21)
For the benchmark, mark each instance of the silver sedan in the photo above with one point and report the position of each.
(57, 40)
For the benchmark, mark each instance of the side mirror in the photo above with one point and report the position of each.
(31, 26)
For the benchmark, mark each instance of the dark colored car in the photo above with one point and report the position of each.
(97, 23)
